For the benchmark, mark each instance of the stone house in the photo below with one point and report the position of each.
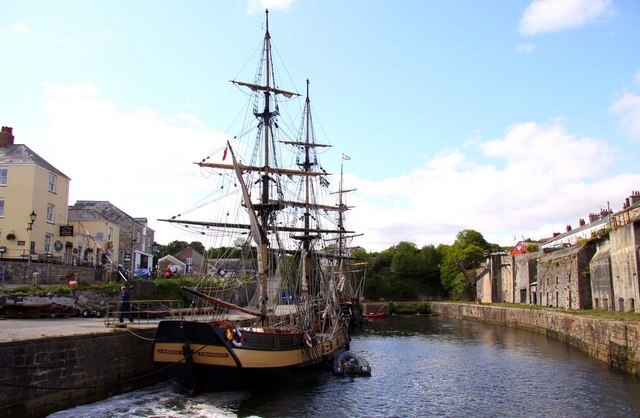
(526, 272)
(494, 279)
(233, 266)
(96, 239)
(594, 265)
(195, 263)
(135, 239)
(624, 248)
(564, 279)
(601, 279)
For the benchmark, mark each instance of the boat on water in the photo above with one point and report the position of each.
(274, 314)
(349, 363)
(371, 315)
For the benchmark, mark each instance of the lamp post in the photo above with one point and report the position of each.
(32, 218)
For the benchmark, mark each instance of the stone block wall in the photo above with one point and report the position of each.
(50, 374)
(614, 342)
(601, 280)
(564, 280)
(624, 267)
(526, 271)
(17, 272)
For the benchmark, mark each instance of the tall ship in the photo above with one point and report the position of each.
(269, 310)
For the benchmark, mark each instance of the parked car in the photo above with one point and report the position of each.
(142, 273)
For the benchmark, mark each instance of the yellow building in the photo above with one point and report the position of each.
(33, 203)
(96, 239)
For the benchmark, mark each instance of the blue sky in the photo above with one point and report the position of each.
(513, 118)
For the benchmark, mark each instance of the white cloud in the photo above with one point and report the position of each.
(140, 161)
(533, 181)
(554, 15)
(22, 28)
(627, 106)
(259, 6)
(526, 48)
(191, 119)
(538, 179)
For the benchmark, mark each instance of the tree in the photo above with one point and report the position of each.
(469, 249)
(431, 260)
(174, 247)
(198, 246)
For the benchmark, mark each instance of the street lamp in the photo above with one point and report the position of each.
(32, 217)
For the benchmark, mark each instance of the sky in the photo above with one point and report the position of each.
(514, 118)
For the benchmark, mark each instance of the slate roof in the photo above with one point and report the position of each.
(22, 154)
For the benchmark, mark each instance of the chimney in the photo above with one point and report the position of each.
(568, 228)
(635, 196)
(6, 137)
(581, 222)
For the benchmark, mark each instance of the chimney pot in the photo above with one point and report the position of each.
(6, 137)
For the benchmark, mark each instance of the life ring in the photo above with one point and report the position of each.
(307, 339)
(237, 339)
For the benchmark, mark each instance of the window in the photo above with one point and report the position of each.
(52, 182)
(1, 207)
(50, 213)
(48, 239)
(4, 173)
(109, 234)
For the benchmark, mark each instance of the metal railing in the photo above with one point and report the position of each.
(141, 311)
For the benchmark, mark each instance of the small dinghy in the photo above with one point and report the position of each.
(350, 364)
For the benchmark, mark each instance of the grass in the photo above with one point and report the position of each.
(597, 313)
(413, 307)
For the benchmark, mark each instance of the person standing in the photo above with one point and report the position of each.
(125, 305)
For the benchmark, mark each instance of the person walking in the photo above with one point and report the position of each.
(125, 305)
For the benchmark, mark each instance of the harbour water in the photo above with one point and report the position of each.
(422, 367)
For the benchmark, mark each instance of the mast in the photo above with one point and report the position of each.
(264, 211)
(307, 167)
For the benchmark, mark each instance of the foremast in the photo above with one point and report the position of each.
(262, 214)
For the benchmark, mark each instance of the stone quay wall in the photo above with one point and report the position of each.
(20, 273)
(614, 342)
(42, 376)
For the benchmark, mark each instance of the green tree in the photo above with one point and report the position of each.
(198, 246)
(174, 247)
(431, 281)
(468, 249)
